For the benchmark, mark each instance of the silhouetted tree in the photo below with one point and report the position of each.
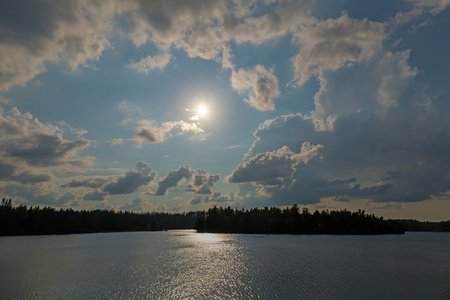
(35, 220)
(290, 220)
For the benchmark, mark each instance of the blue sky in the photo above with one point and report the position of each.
(183, 105)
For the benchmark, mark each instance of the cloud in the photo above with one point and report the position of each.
(262, 84)
(37, 193)
(129, 109)
(26, 139)
(146, 64)
(29, 148)
(362, 158)
(76, 131)
(116, 141)
(395, 73)
(286, 17)
(131, 181)
(55, 31)
(67, 33)
(435, 6)
(217, 198)
(203, 183)
(142, 205)
(387, 76)
(378, 133)
(271, 168)
(150, 133)
(173, 179)
(227, 57)
(76, 34)
(96, 196)
(89, 181)
(201, 28)
(127, 183)
(46, 150)
(332, 44)
(418, 9)
(13, 172)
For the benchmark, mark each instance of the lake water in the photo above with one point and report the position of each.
(190, 265)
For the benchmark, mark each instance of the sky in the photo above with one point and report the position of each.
(176, 106)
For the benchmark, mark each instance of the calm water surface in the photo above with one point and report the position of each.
(188, 265)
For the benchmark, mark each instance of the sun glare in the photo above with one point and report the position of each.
(201, 110)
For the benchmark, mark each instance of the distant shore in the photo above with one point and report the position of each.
(23, 220)
(291, 221)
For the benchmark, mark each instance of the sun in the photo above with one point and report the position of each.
(202, 110)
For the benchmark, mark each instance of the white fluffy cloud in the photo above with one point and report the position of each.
(150, 133)
(173, 179)
(131, 181)
(271, 168)
(203, 183)
(198, 182)
(217, 198)
(30, 149)
(263, 86)
(128, 183)
(148, 63)
(419, 8)
(39, 32)
(376, 135)
(331, 44)
(142, 205)
(77, 34)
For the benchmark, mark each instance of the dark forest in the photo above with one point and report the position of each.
(291, 221)
(23, 220)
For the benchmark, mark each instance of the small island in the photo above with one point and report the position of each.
(291, 221)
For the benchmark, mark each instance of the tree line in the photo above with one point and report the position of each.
(414, 225)
(291, 221)
(23, 220)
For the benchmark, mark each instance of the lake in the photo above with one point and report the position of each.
(183, 264)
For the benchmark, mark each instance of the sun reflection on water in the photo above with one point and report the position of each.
(208, 238)
(211, 266)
